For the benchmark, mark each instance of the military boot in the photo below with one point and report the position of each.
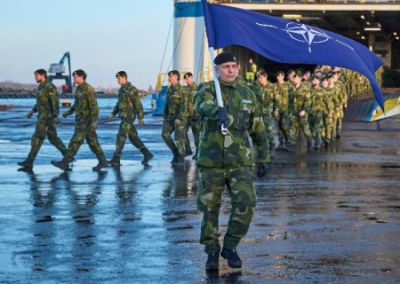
(188, 151)
(100, 165)
(309, 144)
(178, 161)
(115, 162)
(147, 156)
(212, 261)
(280, 147)
(63, 165)
(231, 255)
(25, 164)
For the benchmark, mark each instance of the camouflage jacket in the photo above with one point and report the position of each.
(267, 98)
(233, 149)
(341, 91)
(299, 99)
(47, 102)
(85, 103)
(190, 90)
(282, 91)
(333, 99)
(319, 101)
(176, 103)
(129, 104)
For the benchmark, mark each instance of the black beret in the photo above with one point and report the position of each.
(224, 57)
(173, 72)
(187, 75)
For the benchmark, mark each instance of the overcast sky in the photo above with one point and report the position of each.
(102, 36)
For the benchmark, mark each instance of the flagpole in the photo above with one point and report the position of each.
(224, 128)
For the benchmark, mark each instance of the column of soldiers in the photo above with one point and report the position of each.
(309, 104)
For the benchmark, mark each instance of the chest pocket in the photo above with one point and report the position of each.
(245, 109)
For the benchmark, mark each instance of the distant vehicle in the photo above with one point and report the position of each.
(58, 69)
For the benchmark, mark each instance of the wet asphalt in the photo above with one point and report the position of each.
(328, 216)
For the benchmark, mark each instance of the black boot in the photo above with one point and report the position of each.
(212, 261)
(188, 152)
(25, 164)
(115, 162)
(147, 156)
(195, 155)
(231, 255)
(309, 145)
(61, 165)
(100, 165)
(178, 161)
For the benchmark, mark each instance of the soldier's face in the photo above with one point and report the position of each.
(227, 71)
(189, 81)
(324, 83)
(280, 77)
(121, 80)
(173, 79)
(78, 80)
(39, 78)
(315, 82)
(262, 79)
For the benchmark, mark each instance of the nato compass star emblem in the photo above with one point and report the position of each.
(306, 34)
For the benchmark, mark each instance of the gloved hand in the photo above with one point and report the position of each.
(221, 117)
(65, 114)
(262, 169)
(56, 121)
(141, 122)
(29, 115)
(111, 117)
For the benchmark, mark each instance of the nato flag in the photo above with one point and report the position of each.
(288, 42)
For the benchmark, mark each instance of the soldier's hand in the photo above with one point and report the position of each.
(262, 170)
(221, 117)
(302, 113)
(65, 114)
(29, 115)
(141, 122)
(56, 121)
(111, 117)
(276, 113)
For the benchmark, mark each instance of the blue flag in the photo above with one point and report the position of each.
(288, 42)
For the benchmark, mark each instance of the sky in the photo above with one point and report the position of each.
(102, 37)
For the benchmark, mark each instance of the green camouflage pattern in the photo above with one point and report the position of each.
(239, 182)
(282, 121)
(330, 123)
(319, 110)
(193, 121)
(47, 106)
(299, 100)
(86, 109)
(129, 104)
(175, 119)
(233, 149)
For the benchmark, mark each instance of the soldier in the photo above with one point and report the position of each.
(341, 92)
(86, 110)
(282, 120)
(269, 105)
(299, 107)
(47, 106)
(334, 103)
(193, 118)
(128, 106)
(225, 160)
(175, 117)
(319, 110)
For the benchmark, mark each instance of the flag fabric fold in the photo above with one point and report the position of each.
(288, 42)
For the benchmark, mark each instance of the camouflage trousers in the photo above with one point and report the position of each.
(194, 124)
(316, 122)
(127, 129)
(282, 125)
(179, 127)
(297, 124)
(269, 122)
(240, 184)
(85, 128)
(44, 127)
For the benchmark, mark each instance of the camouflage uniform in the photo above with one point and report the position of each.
(341, 92)
(330, 128)
(282, 121)
(175, 117)
(128, 106)
(47, 106)
(226, 161)
(319, 111)
(192, 120)
(86, 110)
(266, 96)
(299, 100)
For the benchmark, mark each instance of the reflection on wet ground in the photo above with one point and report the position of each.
(328, 216)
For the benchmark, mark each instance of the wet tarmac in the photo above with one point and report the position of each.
(328, 216)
